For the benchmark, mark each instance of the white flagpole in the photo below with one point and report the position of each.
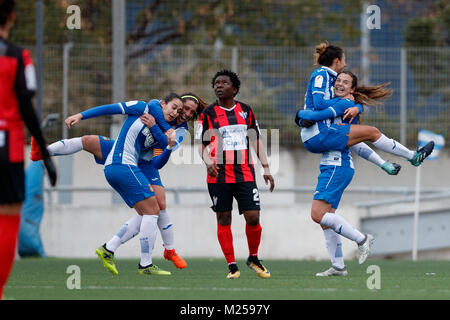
(416, 215)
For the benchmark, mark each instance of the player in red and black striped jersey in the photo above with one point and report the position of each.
(226, 129)
(229, 146)
(17, 86)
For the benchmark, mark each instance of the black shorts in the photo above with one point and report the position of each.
(12, 182)
(245, 193)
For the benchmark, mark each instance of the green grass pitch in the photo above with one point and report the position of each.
(204, 279)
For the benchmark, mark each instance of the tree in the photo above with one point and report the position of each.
(428, 39)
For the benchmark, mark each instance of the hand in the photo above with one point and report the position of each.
(51, 170)
(72, 120)
(212, 170)
(351, 113)
(169, 133)
(268, 178)
(307, 123)
(148, 120)
(171, 139)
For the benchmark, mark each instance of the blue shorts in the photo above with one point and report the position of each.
(146, 167)
(334, 138)
(150, 172)
(129, 182)
(106, 145)
(331, 184)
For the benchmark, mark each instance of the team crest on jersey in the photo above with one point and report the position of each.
(243, 114)
(318, 81)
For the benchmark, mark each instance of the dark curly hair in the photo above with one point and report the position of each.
(6, 8)
(233, 77)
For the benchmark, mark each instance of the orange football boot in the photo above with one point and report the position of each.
(175, 258)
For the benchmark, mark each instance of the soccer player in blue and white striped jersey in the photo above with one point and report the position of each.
(101, 146)
(121, 166)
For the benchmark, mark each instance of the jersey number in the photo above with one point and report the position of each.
(255, 195)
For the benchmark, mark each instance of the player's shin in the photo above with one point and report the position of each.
(166, 229)
(393, 147)
(148, 232)
(334, 247)
(126, 232)
(9, 228)
(253, 234)
(225, 237)
(65, 147)
(342, 227)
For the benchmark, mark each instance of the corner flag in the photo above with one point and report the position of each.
(426, 136)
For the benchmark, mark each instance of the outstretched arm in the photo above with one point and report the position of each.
(338, 109)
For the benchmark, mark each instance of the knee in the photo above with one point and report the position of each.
(316, 216)
(224, 219)
(162, 204)
(87, 141)
(375, 133)
(253, 221)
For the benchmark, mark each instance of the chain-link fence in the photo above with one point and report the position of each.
(274, 81)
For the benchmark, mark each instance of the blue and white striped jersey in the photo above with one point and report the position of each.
(134, 137)
(320, 95)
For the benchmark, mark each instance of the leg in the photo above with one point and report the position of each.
(334, 247)
(148, 231)
(247, 196)
(360, 133)
(92, 145)
(365, 152)
(225, 236)
(9, 230)
(166, 229)
(252, 231)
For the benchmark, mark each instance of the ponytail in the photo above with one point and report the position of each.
(325, 54)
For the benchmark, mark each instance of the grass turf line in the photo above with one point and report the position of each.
(204, 279)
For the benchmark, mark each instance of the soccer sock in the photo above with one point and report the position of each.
(148, 232)
(365, 152)
(225, 237)
(253, 234)
(334, 247)
(126, 232)
(394, 147)
(342, 227)
(65, 147)
(9, 229)
(166, 229)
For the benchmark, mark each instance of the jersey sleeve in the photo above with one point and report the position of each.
(340, 107)
(253, 125)
(131, 108)
(25, 82)
(160, 161)
(159, 136)
(154, 108)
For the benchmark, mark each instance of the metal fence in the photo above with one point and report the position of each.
(274, 81)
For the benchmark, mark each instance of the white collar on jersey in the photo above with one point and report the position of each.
(226, 108)
(334, 73)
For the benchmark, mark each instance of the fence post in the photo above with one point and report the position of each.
(65, 163)
(234, 59)
(39, 50)
(403, 96)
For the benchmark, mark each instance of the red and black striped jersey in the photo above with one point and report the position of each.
(17, 78)
(227, 133)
